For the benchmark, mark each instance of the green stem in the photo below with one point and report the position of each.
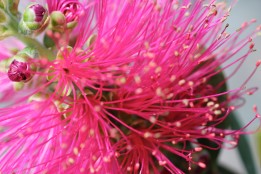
(27, 40)
(44, 52)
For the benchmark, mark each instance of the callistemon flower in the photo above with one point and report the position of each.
(136, 87)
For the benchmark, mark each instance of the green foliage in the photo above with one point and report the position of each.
(244, 148)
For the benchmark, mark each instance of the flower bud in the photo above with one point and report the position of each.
(66, 15)
(57, 18)
(19, 71)
(35, 17)
(58, 21)
(72, 10)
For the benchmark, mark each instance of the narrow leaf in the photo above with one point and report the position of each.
(259, 146)
(224, 170)
(244, 148)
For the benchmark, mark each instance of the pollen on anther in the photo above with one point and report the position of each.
(154, 152)
(153, 119)
(71, 160)
(97, 108)
(83, 128)
(185, 102)
(173, 142)
(202, 165)
(158, 70)
(211, 103)
(176, 53)
(106, 159)
(198, 149)
(147, 135)
(82, 170)
(159, 92)
(138, 91)
(190, 83)
(92, 170)
(157, 135)
(178, 124)
(162, 163)
(94, 158)
(181, 82)
(137, 166)
(75, 150)
(217, 112)
(137, 79)
(91, 132)
(172, 78)
(129, 168)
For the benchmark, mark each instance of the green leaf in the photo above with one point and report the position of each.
(225, 170)
(259, 146)
(244, 148)
(48, 42)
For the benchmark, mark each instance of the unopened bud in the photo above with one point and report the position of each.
(19, 71)
(72, 10)
(57, 19)
(35, 17)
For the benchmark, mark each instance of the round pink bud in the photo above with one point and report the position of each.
(39, 12)
(34, 16)
(19, 71)
(72, 10)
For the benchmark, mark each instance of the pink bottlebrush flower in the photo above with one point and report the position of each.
(134, 88)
